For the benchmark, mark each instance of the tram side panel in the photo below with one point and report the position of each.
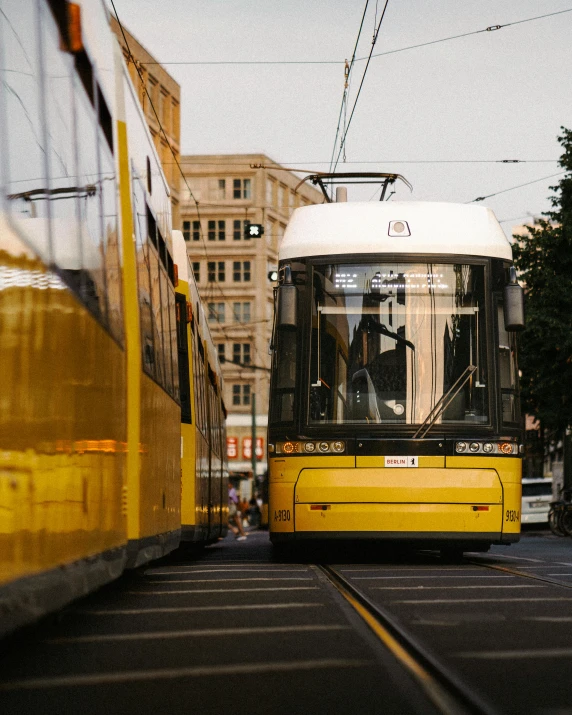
(201, 413)
(154, 491)
(62, 407)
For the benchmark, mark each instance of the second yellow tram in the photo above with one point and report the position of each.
(394, 410)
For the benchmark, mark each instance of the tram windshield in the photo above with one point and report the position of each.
(398, 343)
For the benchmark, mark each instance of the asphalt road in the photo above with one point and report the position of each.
(238, 631)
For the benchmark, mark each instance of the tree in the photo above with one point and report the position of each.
(544, 257)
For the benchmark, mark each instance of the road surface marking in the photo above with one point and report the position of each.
(520, 654)
(197, 633)
(67, 681)
(191, 609)
(222, 590)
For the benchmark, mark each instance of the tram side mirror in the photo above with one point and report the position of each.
(513, 304)
(287, 303)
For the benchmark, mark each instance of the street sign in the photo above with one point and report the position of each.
(253, 230)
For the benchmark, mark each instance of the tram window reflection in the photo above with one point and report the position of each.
(62, 155)
(24, 164)
(389, 342)
(113, 252)
(89, 197)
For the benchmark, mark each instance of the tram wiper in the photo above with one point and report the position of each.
(444, 402)
(370, 323)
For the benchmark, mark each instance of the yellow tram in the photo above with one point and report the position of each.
(92, 459)
(394, 410)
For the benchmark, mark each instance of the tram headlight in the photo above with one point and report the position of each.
(324, 447)
(474, 447)
(505, 448)
(487, 447)
(288, 447)
(338, 446)
(461, 447)
(310, 447)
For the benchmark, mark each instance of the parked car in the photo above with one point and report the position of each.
(536, 498)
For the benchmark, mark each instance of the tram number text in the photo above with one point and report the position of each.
(512, 515)
(282, 515)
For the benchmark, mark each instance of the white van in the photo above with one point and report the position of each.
(536, 498)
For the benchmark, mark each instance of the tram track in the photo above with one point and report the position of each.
(522, 574)
(448, 693)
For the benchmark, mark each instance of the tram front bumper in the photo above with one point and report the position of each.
(421, 505)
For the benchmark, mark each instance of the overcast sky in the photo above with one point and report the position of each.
(493, 95)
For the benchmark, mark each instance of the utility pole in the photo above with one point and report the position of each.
(253, 437)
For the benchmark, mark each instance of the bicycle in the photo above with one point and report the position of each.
(560, 514)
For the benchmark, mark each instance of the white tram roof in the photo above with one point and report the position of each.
(367, 227)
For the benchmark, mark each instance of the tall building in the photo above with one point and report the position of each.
(165, 96)
(232, 269)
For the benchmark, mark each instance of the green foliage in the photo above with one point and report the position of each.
(544, 257)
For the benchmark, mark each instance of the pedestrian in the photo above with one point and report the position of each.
(254, 514)
(234, 517)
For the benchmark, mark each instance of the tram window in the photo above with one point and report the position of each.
(93, 289)
(182, 348)
(389, 342)
(174, 352)
(284, 371)
(60, 111)
(143, 279)
(507, 371)
(113, 249)
(155, 271)
(168, 382)
(25, 179)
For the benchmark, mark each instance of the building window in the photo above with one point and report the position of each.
(151, 87)
(241, 394)
(282, 199)
(217, 230)
(196, 230)
(187, 230)
(221, 352)
(241, 312)
(216, 271)
(241, 271)
(197, 270)
(241, 353)
(239, 229)
(216, 312)
(270, 185)
(217, 189)
(241, 188)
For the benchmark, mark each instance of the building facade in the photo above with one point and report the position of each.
(232, 269)
(162, 111)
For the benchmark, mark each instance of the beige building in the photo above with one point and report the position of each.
(165, 96)
(232, 274)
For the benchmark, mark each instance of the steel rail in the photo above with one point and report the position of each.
(448, 693)
(524, 574)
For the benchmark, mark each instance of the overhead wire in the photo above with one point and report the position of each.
(512, 188)
(247, 164)
(490, 28)
(176, 161)
(347, 73)
(376, 35)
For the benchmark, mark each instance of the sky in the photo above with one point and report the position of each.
(444, 115)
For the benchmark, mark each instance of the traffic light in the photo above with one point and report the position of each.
(253, 230)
